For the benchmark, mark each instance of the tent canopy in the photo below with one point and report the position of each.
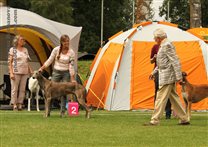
(202, 33)
(120, 70)
(40, 33)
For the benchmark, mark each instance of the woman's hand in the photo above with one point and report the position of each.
(73, 79)
(151, 76)
(41, 69)
(12, 76)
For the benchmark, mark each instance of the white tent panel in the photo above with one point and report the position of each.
(121, 99)
(119, 39)
(51, 29)
(110, 96)
(173, 33)
(204, 48)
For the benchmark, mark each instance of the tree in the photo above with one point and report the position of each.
(57, 10)
(204, 6)
(144, 11)
(22, 4)
(87, 13)
(3, 2)
(179, 12)
(195, 13)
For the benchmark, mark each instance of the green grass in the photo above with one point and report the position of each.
(84, 69)
(121, 129)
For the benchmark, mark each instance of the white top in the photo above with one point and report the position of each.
(65, 62)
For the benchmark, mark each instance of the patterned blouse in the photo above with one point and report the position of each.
(20, 63)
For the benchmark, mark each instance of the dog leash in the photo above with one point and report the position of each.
(100, 101)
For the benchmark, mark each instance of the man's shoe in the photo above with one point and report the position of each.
(149, 124)
(167, 117)
(184, 123)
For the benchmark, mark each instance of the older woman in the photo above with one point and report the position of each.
(63, 68)
(19, 70)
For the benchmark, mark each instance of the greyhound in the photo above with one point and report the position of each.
(53, 90)
(192, 93)
(34, 88)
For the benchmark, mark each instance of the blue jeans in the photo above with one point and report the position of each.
(61, 76)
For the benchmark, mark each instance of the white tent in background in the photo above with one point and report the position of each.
(40, 33)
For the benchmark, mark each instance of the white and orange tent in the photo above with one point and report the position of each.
(120, 70)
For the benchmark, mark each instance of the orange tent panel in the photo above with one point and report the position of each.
(202, 33)
(102, 76)
(142, 89)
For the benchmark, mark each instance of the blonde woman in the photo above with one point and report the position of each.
(63, 69)
(19, 70)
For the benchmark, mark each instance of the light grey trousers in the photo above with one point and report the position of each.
(18, 87)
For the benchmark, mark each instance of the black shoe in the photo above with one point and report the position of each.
(167, 117)
(184, 123)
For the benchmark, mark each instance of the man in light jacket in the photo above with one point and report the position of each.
(169, 68)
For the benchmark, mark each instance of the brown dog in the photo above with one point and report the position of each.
(192, 93)
(57, 89)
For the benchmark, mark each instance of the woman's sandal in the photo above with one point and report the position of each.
(15, 108)
(20, 107)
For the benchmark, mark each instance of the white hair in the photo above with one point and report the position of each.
(160, 33)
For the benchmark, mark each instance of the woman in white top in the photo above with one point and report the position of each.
(19, 70)
(63, 68)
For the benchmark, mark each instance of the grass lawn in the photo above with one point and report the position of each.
(105, 128)
(84, 69)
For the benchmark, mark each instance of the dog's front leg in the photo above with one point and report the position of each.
(189, 110)
(29, 101)
(63, 105)
(28, 104)
(37, 99)
(47, 106)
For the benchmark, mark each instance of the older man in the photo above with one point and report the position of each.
(169, 68)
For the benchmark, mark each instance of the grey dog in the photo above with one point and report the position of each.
(54, 90)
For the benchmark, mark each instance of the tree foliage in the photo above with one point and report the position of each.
(179, 12)
(144, 11)
(22, 4)
(87, 13)
(57, 10)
